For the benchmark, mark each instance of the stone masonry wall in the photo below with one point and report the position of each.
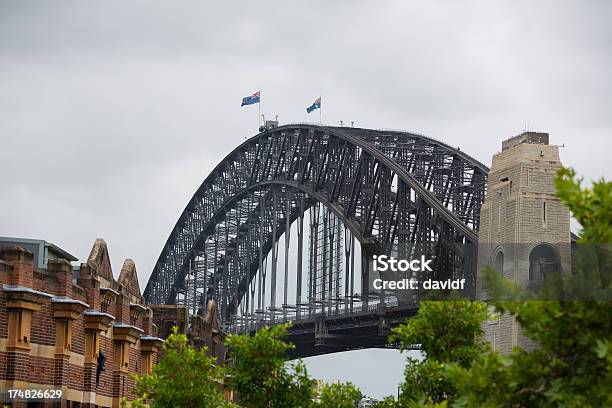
(521, 211)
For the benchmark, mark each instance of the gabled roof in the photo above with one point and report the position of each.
(211, 317)
(99, 261)
(128, 278)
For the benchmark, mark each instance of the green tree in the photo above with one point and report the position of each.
(263, 378)
(185, 377)
(572, 367)
(339, 395)
(448, 332)
(592, 207)
(259, 373)
(387, 402)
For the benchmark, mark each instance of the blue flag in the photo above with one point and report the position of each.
(315, 105)
(250, 100)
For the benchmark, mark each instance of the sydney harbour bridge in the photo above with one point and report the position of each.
(285, 226)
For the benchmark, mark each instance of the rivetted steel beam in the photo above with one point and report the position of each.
(300, 232)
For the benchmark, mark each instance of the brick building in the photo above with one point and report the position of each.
(203, 329)
(60, 325)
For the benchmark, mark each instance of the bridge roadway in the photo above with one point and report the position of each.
(325, 333)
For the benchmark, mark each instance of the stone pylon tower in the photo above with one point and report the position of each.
(524, 229)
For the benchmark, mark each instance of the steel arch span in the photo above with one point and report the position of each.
(357, 192)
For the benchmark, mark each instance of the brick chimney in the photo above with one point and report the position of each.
(62, 270)
(21, 263)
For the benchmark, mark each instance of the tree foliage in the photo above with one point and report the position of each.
(263, 378)
(339, 395)
(259, 374)
(592, 207)
(448, 332)
(387, 402)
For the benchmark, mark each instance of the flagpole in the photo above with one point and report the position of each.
(259, 112)
(320, 110)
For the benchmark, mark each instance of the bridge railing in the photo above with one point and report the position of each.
(246, 323)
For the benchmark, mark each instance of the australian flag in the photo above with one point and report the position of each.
(315, 105)
(250, 100)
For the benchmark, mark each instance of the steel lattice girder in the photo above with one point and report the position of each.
(389, 188)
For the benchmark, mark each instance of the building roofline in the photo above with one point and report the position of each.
(55, 248)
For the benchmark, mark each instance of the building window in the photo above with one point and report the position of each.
(498, 265)
(544, 212)
(528, 175)
(543, 260)
(106, 299)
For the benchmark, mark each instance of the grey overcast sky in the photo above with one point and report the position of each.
(112, 113)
